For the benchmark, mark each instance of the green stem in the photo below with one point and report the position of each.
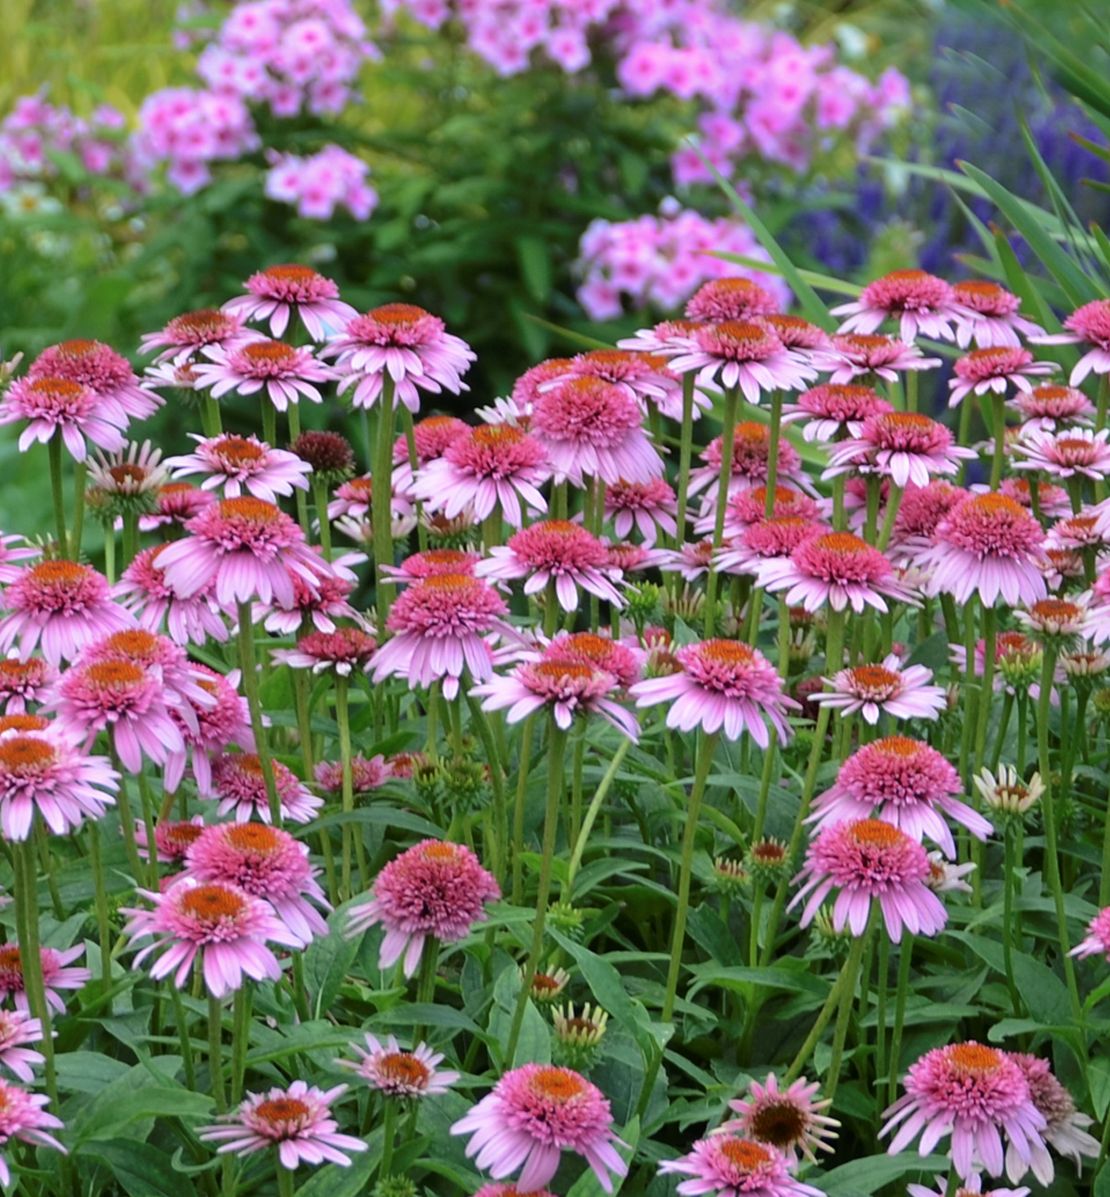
(706, 749)
(389, 1134)
(824, 1015)
(320, 502)
(300, 495)
(285, 1185)
(54, 455)
(350, 839)
(215, 1052)
(905, 958)
(1008, 879)
(518, 809)
(381, 497)
(685, 452)
(592, 811)
(844, 1014)
(103, 927)
(414, 464)
(240, 1039)
(728, 434)
(998, 406)
(893, 502)
(182, 1034)
(773, 453)
(80, 472)
(30, 953)
(254, 704)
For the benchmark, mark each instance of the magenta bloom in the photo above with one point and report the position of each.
(267, 863)
(404, 342)
(731, 299)
(23, 1117)
(243, 463)
(319, 602)
(221, 720)
(108, 374)
(989, 315)
(185, 336)
(983, 371)
(144, 592)
(829, 411)
(16, 1029)
(744, 354)
(1066, 1131)
(367, 773)
(442, 626)
(731, 1165)
(559, 552)
(223, 925)
(865, 860)
(568, 685)
(851, 354)
(244, 548)
(721, 685)
(792, 1120)
(987, 544)
(297, 1121)
(280, 293)
(59, 406)
(45, 772)
(1089, 324)
(774, 539)
(644, 376)
(1050, 408)
(1097, 941)
(430, 564)
(493, 466)
(59, 606)
(650, 507)
(176, 503)
(977, 1095)
(1075, 452)
(971, 1187)
(240, 788)
(172, 838)
(886, 689)
(835, 568)
(343, 652)
(902, 446)
(56, 974)
(433, 891)
(751, 452)
(922, 304)
(285, 373)
(533, 1115)
(600, 650)
(394, 1072)
(23, 683)
(905, 783)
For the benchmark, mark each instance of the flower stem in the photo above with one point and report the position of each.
(728, 434)
(80, 472)
(30, 952)
(240, 1039)
(343, 720)
(414, 463)
(844, 1014)
(773, 453)
(704, 760)
(103, 929)
(389, 1134)
(824, 1015)
(518, 809)
(54, 455)
(998, 406)
(254, 704)
(320, 502)
(592, 812)
(905, 958)
(381, 498)
(215, 1052)
(285, 1186)
(685, 452)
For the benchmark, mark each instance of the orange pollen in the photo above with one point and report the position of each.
(78, 348)
(728, 652)
(1072, 444)
(450, 582)
(175, 488)
(291, 273)
(866, 341)
(444, 852)
(136, 642)
(979, 287)
(404, 1067)
(741, 330)
(1082, 523)
(444, 557)
(237, 450)
(64, 573)
(495, 435)
(874, 676)
(1014, 642)
(609, 357)
(589, 645)
(253, 837)
(559, 1084)
(545, 983)
(281, 1109)
(10, 959)
(768, 851)
(181, 834)
(841, 542)
(212, 902)
(360, 486)
(974, 1057)
(256, 511)
(1050, 391)
(994, 504)
(24, 723)
(249, 763)
(16, 670)
(128, 472)
(737, 285)
(752, 433)
(907, 419)
(114, 673)
(398, 314)
(269, 351)
(787, 521)
(564, 669)
(898, 745)
(62, 388)
(873, 832)
(561, 528)
(744, 1154)
(26, 752)
(1055, 609)
(202, 320)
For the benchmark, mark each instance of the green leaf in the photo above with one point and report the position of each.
(1098, 1080)
(588, 1185)
(112, 1113)
(1041, 989)
(326, 963)
(535, 266)
(140, 1169)
(741, 977)
(333, 1181)
(384, 816)
(859, 1178)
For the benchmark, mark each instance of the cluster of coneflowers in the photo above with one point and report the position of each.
(577, 570)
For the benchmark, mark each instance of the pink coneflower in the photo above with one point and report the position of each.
(730, 299)
(1062, 621)
(835, 568)
(728, 1165)
(182, 339)
(1049, 407)
(279, 293)
(629, 558)
(921, 510)
(23, 1117)
(665, 338)
(244, 549)
(645, 376)
(442, 626)
(285, 372)
(297, 1121)
(1087, 530)
(16, 1029)
(983, 371)
(59, 406)
(886, 689)
(13, 548)
(1052, 500)
(367, 773)
(853, 354)
(1089, 324)
(650, 507)
(691, 559)
(222, 720)
(592, 429)
(343, 651)
(320, 602)
(57, 974)
(1097, 941)
(433, 890)
(766, 540)
(750, 507)
(109, 375)
(59, 607)
(989, 545)
(172, 838)
(529, 384)
(24, 682)
(599, 650)
(902, 446)
(1066, 1131)
(558, 552)
(830, 411)
(972, 1186)
(267, 863)
(394, 1072)
(721, 685)
(127, 480)
(989, 315)
(240, 788)
(792, 1120)
(569, 686)
(751, 452)
(493, 466)
(242, 463)
(534, 1114)
(45, 772)
(977, 1095)
(1076, 452)
(743, 354)
(224, 926)
(432, 563)
(144, 592)
(432, 437)
(404, 342)
(795, 332)
(905, 783)
(176, 503)
(865, 860)
(921, 304)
